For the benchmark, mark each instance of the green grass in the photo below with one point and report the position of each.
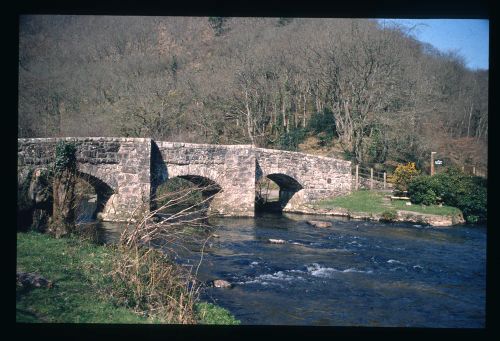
(373, 202)
(432, 209)
(360, 201)
(78, 269)
(81, 294)
(209, 313)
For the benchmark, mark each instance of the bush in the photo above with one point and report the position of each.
(473, 201)
(323, 121)
(65, 157)
(322, 124)
(292, 139)
(403, 175)
(453, 188)
(153, 285)
(209, 313)
(388, 216)
(423, 190)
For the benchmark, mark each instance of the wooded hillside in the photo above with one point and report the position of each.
(370, 92)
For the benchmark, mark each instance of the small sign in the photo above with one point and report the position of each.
(438, 162)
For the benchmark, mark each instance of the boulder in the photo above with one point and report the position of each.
(430, 219)
(32, 280)
(220, 283)
(317, 223)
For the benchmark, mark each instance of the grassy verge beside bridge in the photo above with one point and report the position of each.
(372, 202)
(83, 289)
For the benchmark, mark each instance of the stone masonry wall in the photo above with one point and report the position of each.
(231, 167)
(319, 177)
(134, 167)
(123, 164)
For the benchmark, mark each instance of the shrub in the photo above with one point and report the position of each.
(209, 313)
(424, 190)
(153, 285)
(473, 201)
(65, 157)
(388, 216)
(323, 121)
(217, 24)
(292, 139)
(403, 174)
(454, 188)
(34, 199)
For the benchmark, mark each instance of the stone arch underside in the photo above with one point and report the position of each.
(233, 188)
(209, 188)
(289, 186)
(103, 191)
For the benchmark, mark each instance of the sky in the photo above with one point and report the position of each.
(469, 37)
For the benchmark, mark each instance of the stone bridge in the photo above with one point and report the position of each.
(126, 172)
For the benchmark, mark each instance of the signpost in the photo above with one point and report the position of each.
(435, 163)
(432, 163)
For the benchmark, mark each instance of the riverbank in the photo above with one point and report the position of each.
(375, 206)
(81, 289)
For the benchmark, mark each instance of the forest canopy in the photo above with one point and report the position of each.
(370, 91)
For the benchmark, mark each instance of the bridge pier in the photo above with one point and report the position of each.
(121, 165)
(232, 168)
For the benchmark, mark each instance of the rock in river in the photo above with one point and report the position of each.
(220, 283)
(317, 223)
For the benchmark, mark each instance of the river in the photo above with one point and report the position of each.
(354, 273)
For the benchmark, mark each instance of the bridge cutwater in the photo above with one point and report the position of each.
(126, 172)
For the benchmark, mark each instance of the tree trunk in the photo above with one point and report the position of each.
(249, 119)
(304, 116)
(63, 214)
(470, 116)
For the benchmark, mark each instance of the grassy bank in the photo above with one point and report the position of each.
(373, 202)
(83, 290)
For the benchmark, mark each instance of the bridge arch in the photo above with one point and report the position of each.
(89, 208)
(288, 187)
(208, 190)
(208, 186)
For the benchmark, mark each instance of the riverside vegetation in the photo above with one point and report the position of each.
(128, 282)
(450, 193)
(365, 201)
(84, 291)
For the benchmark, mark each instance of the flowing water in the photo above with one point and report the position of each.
(355, 273)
